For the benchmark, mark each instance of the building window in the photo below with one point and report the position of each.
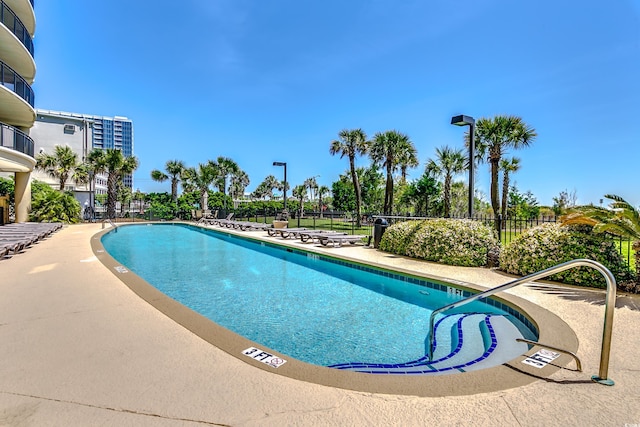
(69, 128)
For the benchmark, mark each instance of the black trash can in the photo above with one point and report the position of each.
(379, 226)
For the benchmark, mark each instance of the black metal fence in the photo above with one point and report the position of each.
(506, 229)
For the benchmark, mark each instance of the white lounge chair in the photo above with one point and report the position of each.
(310, 236)
(339, 240)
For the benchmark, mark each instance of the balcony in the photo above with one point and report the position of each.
(16, 150)
(16, 98)
(15, 25)
(15, 139)
(16, 50)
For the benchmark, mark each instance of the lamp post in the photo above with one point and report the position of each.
(468, 121)
(285, 181)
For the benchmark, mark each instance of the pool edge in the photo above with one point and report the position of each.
(510, 375)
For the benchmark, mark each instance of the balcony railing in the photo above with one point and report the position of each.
(13, 23)
(15, 139)
(14, 81)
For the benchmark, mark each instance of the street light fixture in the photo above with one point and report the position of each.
(285, 181)
(468, 121)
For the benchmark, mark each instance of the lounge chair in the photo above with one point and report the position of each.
(250, 225)
(285, 233)
(260, 226)
(310, 236)
(339, 240)
(28, 238)
(221, 222)
(14, 245)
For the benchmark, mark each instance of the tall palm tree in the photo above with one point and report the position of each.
(174, 169)
(116, 165)
(407, 158)
(300, 193)
(351, 143)
(266, 187)
(507, 166)
(493, 138)
(82, 174)
(387, 150)
(238, 184)
(448, 163)
(322, 190)
(225, 168)
(200, 178)
(60, 165)
(312, 185)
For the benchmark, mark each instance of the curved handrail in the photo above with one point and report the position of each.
(15, 139)
(15, 25)
(110, 222)
(14, 82)
(608, 314)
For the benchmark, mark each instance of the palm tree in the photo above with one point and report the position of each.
(407, 158)
(200, 179)
(621, 219)
(225, 167)
(322, 190)
(82, 174)
(312, 185)
(448, 163)
(238, 184)
(507, 166)
(300, 193)
(387, 150)
(174, 169)
(266, 187)
(352, 143)
(116, 165)
(60, 165)
(493, 138)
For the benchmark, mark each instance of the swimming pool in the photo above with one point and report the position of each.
(319, 309)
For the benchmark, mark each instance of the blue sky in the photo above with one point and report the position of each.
(263, 81)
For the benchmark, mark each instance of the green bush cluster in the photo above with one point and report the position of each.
(550, 244)
(49, 205)
(447, 241)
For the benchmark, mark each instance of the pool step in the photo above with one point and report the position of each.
(463, 342)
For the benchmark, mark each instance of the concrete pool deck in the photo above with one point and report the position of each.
(78, 347)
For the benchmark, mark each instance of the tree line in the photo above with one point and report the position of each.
(381, 187)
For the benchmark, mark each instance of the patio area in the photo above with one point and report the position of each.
(80, 348)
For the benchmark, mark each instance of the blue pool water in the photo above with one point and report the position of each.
(325, 313)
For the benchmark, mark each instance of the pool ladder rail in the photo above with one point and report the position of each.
(110, 222)
(610, 303)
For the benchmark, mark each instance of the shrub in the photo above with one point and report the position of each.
(49, 205)
(447, 241)
(550, 244)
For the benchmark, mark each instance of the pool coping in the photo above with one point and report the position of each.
(553, 332)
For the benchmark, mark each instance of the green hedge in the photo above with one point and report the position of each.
(550, 244)
(447, 241)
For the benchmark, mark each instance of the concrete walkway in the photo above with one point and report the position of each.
(79, 348)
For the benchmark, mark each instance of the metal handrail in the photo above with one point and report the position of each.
(610, 303)
(15, 139)
(14, 82)
(110, 222)
(559, 350)
(17, 27)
